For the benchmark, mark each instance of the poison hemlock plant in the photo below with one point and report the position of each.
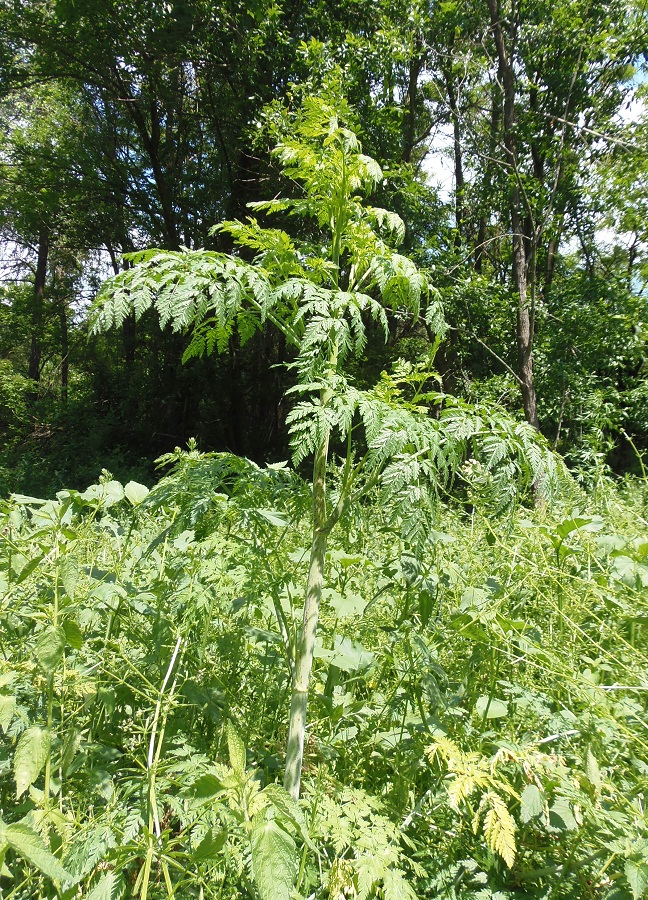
(320, 294)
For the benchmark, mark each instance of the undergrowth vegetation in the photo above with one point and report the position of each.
(477, 721)
(391, 681)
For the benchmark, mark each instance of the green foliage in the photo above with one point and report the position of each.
(166, 726)
(476, 720)
(320, 296)
(274, 862)
(32, 751)
(317, 295)
(186, 151)
(28, 844)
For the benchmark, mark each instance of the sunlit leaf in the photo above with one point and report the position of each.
(274, 859)
(491, 707)
(135, 492)
(28, 844)
(31, 752)
(532, 802)
(237, 754)
(50, 647)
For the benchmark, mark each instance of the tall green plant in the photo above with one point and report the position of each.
(319, 293)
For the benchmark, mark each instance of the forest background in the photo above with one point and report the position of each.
(125, 128)
(406, 246)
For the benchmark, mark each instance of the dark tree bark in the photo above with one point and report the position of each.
(409, 129)
(460, 185)
(550, 264)
(38, 302)
(496, 115)
(523, 242)
(65, 347)
(151, 137)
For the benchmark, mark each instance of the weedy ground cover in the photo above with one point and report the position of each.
(455, 700)
(478, 713)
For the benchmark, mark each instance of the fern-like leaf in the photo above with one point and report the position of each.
(499, 828)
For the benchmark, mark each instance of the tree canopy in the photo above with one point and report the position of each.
(127, 127)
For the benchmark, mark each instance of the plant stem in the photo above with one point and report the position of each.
(50, 687)
(306, 643)
(155, 748)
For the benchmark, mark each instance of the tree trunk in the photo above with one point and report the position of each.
(129, 338)
(113, 258)
(458, 161)
(37, 307)
(550, 265)
(525, 329)
(409, 130)
(65, 350)
(523, 245)
(151, 141)
(496, 113)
